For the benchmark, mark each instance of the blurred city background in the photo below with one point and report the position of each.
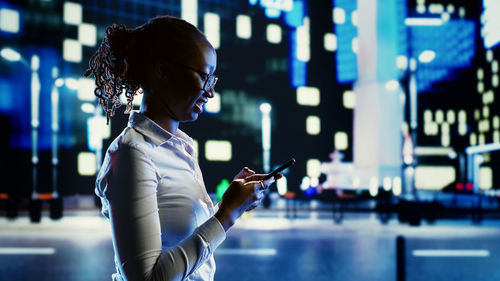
(388, 106)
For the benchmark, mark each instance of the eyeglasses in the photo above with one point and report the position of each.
(209, 79)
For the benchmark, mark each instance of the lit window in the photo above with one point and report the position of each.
(72, 50)
(243, 26)
(354, 17)
(450, 8)
(87, 108)
(496, 136)
(494, 80)
(439, 116)
(303, 41)
(338, 15)
(396, 186)
(189, 11)
(445, 128)
(436, 8)
(434, 177)
(473, 139)
(97, 130)
(273, 33)
(330, 42)
(86, 87)
(87, 164)
(373, 186)
(427, 116)
(489, 55)
(218, 150)
(480, 87)
(72, 13)
(480, 74)
(212, 29)
(485, 178)
(445, 17)
(87, 34)
(482, 139)
(313, 125)
(392, 85)
(213, 104)
(282, 186)
(387, 183)
(402, 62)
(9, 20)
(308, 96)
(462, 129)
(349, 99)
(496, 122)
(445, 139)
(450, 116)
(420, 9)
(461, 12)
(355, 45)
(494, 66)
(486, 112)
(313, 167)
(341, 141)
(477, 114)
(462, 116)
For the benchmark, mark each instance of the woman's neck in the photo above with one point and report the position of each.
(159, 116)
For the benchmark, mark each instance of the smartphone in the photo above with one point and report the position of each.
(279, 169)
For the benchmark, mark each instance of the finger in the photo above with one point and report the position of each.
(255, 177)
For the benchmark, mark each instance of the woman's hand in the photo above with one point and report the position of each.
(245, 172)
(242, 195)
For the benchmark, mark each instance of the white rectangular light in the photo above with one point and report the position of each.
(189, 11)
(26, 251)
(434, 177)
(330, 42)
(440, 253)
(273, 33)
(87, 34)
(349, 99)
(308, 96)
(423, 21)
(313, 168)
(9, 20)
(218, 150)
(341, 141)
(72, 50)
(304, 41)
(87, 165)
(214, 104)
(86, 87)
(72, 13)
(212, 29)
(243, 26)
(313, 125)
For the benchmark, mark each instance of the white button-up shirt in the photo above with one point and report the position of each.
(161, 216)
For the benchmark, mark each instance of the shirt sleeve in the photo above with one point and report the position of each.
(133, 213)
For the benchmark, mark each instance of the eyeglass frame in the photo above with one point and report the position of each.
(202, 75)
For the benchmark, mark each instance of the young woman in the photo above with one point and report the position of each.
(164, 225)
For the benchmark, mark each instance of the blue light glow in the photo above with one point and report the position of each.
(294, 17)
(453, 45)
(347, 70)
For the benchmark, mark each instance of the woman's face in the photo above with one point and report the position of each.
(181, 91)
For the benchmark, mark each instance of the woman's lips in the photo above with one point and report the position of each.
(199, 106)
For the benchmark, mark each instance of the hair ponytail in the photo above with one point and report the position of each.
(111, 68)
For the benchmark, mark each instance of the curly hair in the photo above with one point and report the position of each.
(119, 63)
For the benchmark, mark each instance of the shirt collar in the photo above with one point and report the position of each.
(153, 131)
